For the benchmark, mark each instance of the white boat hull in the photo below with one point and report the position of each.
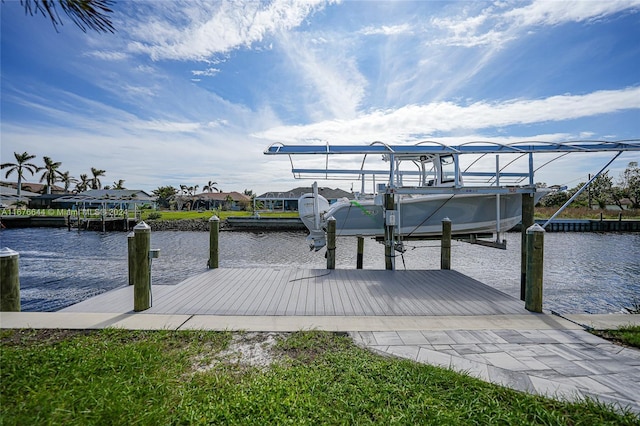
(422, 215)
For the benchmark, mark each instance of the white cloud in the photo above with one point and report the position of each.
(200, 30)
(335, 86)
(387, 30)
(544, 12)
(415, 121)
(494, 26)
(168, 126)
(108, 55)
(209, 72)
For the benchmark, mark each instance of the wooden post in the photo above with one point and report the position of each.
(131, 255)
(142, 270)
(331, 243)
(445, 244)
(68, 222)
(103, 216)
(535, 266)
(9, 281)
(389, 224)
(360, 255)
(214, 234)
(527, 221)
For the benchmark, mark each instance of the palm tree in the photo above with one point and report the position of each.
(20, 166)
(210, 187)
(50, 171)
(95, 180)
(119, 184)
(67, 179)
(83, 183)
(85, 14)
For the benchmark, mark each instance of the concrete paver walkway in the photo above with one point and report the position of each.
(569, 364)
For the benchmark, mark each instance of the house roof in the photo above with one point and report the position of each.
(294, 194)
(222, 196)
(32, 187)
(100, 195)
(117, 193)
(9, 191)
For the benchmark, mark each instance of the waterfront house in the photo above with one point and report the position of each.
(220, 200)
(126, 199)
(288, 200)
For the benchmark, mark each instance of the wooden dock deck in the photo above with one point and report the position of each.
(316, 292)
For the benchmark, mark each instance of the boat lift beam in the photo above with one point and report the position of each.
(534, 147)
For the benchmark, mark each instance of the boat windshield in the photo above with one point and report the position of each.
(448, 169)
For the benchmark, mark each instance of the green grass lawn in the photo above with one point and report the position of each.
(190, 377)
(627, 335)
(178, 215)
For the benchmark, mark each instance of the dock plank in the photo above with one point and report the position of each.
(306, 292)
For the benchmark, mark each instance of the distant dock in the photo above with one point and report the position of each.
(90, 224)
(588, 225)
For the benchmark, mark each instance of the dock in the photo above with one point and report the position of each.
(316, 292)
(437, 317)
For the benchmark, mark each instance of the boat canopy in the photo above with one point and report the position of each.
(430, 166)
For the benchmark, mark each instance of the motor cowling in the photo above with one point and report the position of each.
(311, 210)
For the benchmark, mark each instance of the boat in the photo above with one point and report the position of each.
(424, 184)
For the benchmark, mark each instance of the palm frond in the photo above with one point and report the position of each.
(86, 14)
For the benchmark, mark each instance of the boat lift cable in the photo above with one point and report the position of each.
(570, 200)
(431, 215)
(545, 164)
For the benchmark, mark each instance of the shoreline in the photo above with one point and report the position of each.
(244, 223)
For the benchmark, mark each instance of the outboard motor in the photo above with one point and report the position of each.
(311, 208)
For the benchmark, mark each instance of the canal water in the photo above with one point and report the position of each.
(584, 272)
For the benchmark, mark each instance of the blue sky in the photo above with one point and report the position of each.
(188, 92)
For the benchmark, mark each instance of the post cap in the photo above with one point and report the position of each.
(214, 218)
(535, 228)
(446, 219)
(142, 227)
(131, 234)
(7, 252)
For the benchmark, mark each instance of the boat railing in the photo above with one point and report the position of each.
(519, 155)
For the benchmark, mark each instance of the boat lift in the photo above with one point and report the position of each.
(403, 182)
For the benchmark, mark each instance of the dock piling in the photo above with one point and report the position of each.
(142, 270)
(527, 221)
(445, 244)
(214, 234)
(535, 265)
(331, 243)
(9, 280)
(131, 256)
(360, 254)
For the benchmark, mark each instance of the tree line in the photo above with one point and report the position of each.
(51, 174)
(603, 191)
(184, 195)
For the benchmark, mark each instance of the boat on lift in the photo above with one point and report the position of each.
(424, 184)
